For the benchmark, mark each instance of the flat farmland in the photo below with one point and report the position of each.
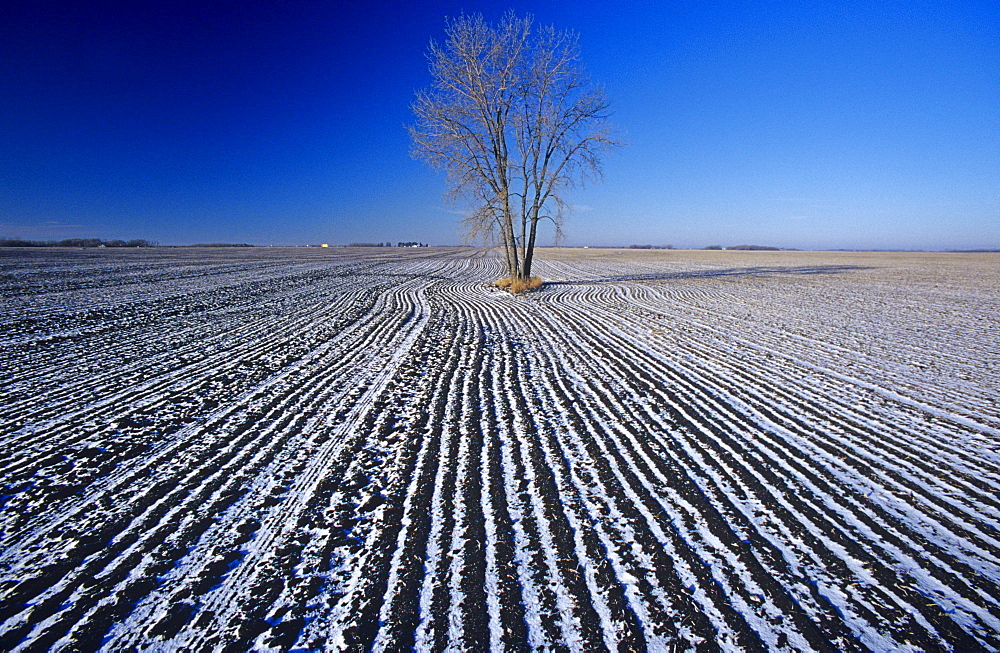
(229, 449)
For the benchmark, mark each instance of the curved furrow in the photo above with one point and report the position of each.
(263, 349)
(657, 597)
(131, 359)
(227, 603)
(803, 338)
(704, 350)
(595, 559)
(432, 627)
(624, 447)
(124, 476)
(529, 492)
(377, 449)
(794, 403)
(688, 521)
(725, 390)
(245, 459)
(842, 437)
(393, 561)
(850, 521)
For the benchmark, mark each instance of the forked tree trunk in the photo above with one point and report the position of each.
(510, 107)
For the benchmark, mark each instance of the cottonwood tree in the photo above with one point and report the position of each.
(514, 121)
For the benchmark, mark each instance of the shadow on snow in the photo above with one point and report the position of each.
(727, 272)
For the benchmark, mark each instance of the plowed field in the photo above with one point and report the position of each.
(375, 449)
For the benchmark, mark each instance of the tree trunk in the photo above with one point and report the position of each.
(529, 254)
(507, 254)
(510, 244)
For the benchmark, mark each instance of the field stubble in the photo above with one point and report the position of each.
(349, 449)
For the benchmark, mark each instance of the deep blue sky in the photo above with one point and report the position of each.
(797, 124)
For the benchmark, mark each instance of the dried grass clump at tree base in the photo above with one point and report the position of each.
(518, 285)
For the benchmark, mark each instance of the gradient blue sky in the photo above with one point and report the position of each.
(796, 124)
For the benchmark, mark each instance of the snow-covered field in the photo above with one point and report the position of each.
(353, 449)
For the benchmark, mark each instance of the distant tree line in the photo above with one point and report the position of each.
(401, 244)
(750, 248)
(222, 245)
(650, 246)
(75, 242)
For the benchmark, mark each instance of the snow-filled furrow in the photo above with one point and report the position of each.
(871, 360)
(208, 311)
(650, 604)
(377, 449)
(743, 382)
(466, 577)
(983, 615)
(432, 629)
(746, 313)
(183, 483)
(123, 478)
(387, 578)
(624, 447)
(838, 437)
(848, 421)
(508, 598)
(227, 354)
(890, 434)
(611, 591)
(278, 526)
(548, 605)
(924, 553)
(695, 534)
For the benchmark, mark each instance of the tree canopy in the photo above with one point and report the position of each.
(514, 121)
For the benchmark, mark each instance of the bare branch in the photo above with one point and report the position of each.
(513, 121)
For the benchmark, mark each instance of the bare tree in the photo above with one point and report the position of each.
(513, 121)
